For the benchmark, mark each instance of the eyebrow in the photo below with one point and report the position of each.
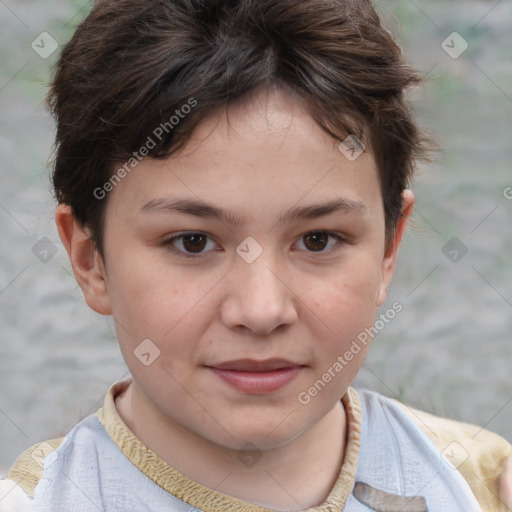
(205, 210)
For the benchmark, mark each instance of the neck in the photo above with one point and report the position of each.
(292, 477)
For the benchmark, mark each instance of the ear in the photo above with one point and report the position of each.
(85, 260)
(389, 261)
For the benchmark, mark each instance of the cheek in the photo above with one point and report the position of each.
(343, 312)
(349, 295)
(170, 309)
(140, 284)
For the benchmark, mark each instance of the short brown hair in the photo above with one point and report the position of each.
(131, 65)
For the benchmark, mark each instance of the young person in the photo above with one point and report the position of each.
(232, 180)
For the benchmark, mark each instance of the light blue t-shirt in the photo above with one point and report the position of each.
(89, 473)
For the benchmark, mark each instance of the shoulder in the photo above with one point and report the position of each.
(27, 469)
(481, 456)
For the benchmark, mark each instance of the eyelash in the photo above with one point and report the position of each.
(341, 241)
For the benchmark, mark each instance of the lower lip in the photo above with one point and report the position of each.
(258, 382)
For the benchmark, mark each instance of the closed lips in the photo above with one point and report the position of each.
(252, 365)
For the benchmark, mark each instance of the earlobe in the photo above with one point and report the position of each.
(85, 261)
(389, 261)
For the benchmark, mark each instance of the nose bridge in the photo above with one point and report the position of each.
(258, 268)
(258, 296)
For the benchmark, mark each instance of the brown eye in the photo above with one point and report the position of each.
(194, 243)
(189, 245)
(316, 241)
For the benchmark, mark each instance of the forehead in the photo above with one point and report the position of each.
(265, 117)
(260, 156)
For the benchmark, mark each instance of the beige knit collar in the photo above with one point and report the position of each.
(204, 498)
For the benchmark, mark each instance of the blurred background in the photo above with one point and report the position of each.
(449, 351)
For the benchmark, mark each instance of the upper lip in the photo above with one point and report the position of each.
(253, 365)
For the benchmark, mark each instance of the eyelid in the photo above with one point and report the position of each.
(168, 242)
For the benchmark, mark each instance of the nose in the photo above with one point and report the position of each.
(258, 297)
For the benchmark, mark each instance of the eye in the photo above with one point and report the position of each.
(316, 241)
(192, 243)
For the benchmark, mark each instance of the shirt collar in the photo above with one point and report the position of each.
(203, 498)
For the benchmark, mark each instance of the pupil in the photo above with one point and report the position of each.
(195, 244)
(317, 236)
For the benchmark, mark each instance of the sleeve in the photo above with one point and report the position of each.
(27, 469)
(481, 456)
(506, 484)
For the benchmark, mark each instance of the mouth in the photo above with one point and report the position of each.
(257, 377)
(253, 365)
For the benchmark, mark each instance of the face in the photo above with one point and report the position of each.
(251, 261)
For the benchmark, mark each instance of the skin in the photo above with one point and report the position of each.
(299, 300)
